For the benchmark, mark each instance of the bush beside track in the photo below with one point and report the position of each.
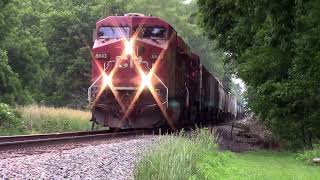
(35, 119)
(198, 157)
(10, 120)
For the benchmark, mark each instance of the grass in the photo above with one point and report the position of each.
(178, 157)
(199, 158)
(40, 119)
(309, 154)
(274, 165)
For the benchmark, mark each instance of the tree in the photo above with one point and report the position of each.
(67, 31)
(274, 47)
(10, 87)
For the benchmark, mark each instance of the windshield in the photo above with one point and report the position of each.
(152, 32)
(114, 32)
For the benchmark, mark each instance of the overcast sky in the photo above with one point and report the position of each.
(240, 82)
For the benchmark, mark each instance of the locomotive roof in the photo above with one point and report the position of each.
(134, 19)
(130, 20)
(195, 56)
(204, 68)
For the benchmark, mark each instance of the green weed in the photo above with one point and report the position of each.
(308, 155)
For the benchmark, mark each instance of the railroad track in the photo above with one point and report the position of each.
(22, 141)
(9, 142)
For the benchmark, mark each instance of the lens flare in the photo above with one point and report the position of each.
(107, 81)
(128, 48)
(146, 80)
(149, 85)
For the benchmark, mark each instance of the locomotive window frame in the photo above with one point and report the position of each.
(150, 26)
(194, 63)
(128, 34)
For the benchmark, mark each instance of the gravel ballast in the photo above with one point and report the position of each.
(114, 160)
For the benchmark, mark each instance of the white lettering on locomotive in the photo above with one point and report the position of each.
(123, 63)
(101, 56)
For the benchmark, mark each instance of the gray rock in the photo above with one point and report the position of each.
(115, 160)
(316, 160)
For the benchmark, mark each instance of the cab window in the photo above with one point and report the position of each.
(113, 32)
(194, 63)
(152, 32)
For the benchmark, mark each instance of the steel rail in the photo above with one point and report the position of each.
(57, 138)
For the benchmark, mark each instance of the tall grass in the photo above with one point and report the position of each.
(40, 119)
(179, 157)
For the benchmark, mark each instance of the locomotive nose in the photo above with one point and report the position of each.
(133, 60)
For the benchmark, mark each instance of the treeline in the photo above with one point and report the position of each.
(274, 46)
(45, 45)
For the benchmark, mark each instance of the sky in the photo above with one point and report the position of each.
(240, 82)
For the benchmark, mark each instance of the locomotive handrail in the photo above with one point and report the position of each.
(167, 89)
(167, 95)
(89, 89)
(187, 103)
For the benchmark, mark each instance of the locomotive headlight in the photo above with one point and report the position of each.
(145, 80)
(128, 49)
(107, 81)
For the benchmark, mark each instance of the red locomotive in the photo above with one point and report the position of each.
(144, 75)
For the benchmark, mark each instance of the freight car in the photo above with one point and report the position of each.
(144, 75)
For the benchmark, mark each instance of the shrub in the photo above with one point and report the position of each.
(10, 118)
(308, 155)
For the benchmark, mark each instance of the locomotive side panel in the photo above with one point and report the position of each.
(210, 96)
(214, 92)
(222, 98)
(193, 80)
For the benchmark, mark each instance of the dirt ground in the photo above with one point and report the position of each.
(244, 135)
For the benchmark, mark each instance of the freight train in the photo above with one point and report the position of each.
(144, 75)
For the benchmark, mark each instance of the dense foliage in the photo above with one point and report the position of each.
(9, 118)
(45, 45)
(274, 47)
(10, 86)
(63, 32)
